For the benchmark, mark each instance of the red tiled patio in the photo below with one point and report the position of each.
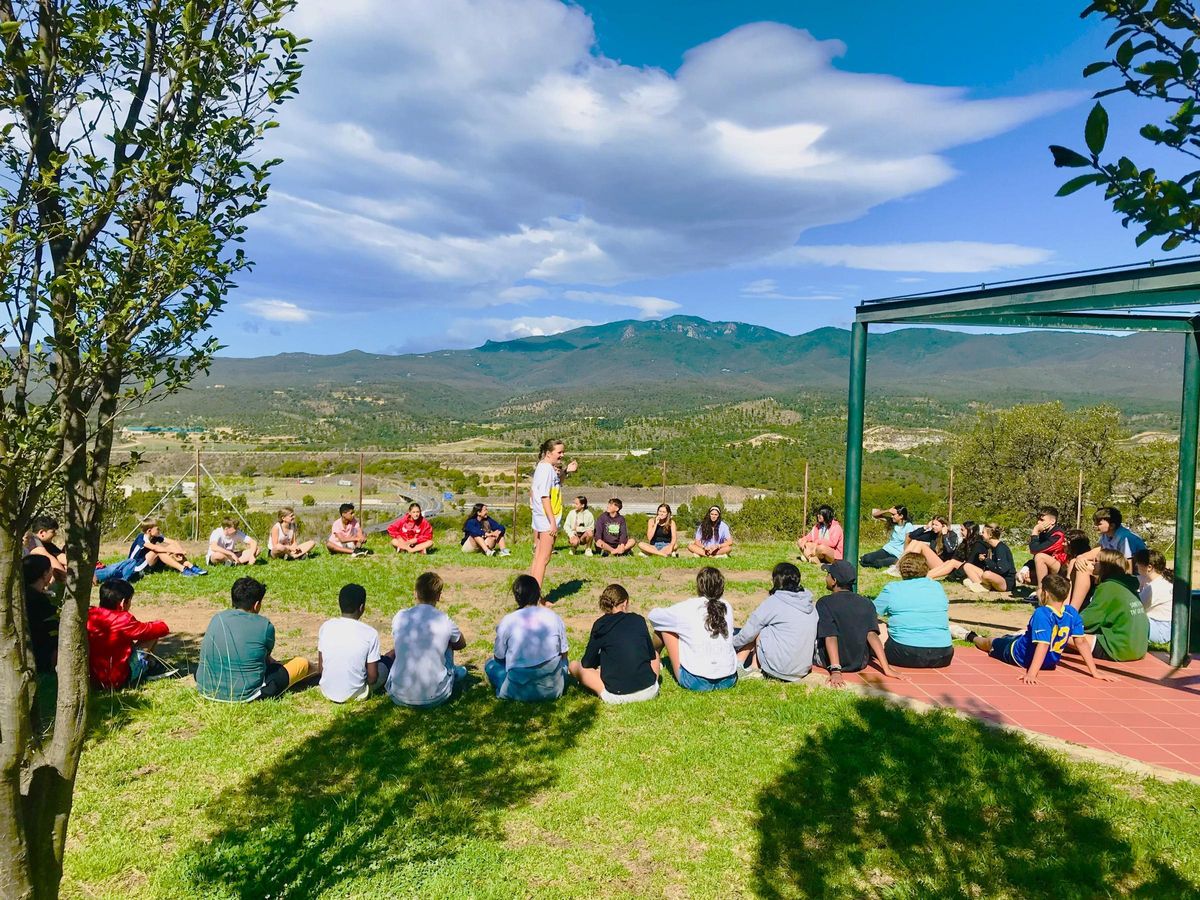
(1145, 714)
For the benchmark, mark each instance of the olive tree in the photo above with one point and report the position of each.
(127, 173)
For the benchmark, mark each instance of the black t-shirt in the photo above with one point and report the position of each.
(850, 618)
(620, 647)
(41, 614)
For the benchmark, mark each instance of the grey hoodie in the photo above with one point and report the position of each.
(786, 627)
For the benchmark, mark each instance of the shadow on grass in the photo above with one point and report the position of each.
(385, 790)
(893, 803)
(564, 590)
(110, 710)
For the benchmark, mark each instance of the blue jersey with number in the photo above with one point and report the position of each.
(1047, 627)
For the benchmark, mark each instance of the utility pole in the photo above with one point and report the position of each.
(516, 490)
(950, 509)
(196, 525)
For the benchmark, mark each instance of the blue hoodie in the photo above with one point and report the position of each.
(786, 627)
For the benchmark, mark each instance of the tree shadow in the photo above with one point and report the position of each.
(564, 590)
(112, 710)
(896, 803)
(383, 788)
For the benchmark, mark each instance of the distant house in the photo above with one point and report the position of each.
(645, 452)
(345, 482)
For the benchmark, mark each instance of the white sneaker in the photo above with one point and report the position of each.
(641, 553)
(490, 552)
(894, 571)
(974, 586)
(506, 552)
(588, 552)
(958, 632)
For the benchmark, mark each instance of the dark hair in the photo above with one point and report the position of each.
(825, 514)
(428, 587)
(612, 597)
(477, 509)
(547, 445)
(582, 499)
(785, 577)
(34, 567)
(1154, 560)
(710, 584)
(1048, 511)
(43, 523)
(352, 598)
(345, 507)
(1077, 543)
(1057, 586)
(114, 592)
(526, 591)
(667, 507)
(616, 501)
(709, 530)
(965, 547)
(229, 522)
(902, 512)
(246, 592)
(1109, 514)
(416, 504)
(992, 530)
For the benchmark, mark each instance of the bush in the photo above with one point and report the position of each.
(775, 517)
(308, 500)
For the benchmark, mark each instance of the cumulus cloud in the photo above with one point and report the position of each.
(277, 310)
(470, 332)
(930, 256)
(489, 144)
(647, 307)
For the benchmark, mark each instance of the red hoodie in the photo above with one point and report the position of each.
(111, 636)
(408, 530)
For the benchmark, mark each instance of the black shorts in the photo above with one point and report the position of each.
(275, 680)
(917, 657)
(877, 559)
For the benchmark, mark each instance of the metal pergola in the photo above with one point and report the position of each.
(1116, 299)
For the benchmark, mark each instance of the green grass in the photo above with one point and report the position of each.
(766, 790)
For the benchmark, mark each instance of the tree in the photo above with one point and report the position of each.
(1147, 472)
(126, 178)
(1156, 59)
(308, 500)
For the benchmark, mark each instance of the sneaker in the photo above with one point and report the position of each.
(743, 672)
(894, 571)
(189, 572)
(588, 552)
(165, 673)
(675, 553)
(959, 633)
(199, 571)
(571, 551)
(640, 553)
(974, 586)
(489, 552)
(506, 552)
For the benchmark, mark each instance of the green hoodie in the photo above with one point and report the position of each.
(1118, 619)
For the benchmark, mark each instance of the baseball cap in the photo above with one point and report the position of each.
(842, 572)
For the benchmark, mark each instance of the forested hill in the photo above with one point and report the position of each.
(682, 362)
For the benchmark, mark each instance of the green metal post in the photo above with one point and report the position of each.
(854, 439)
(1185, 505)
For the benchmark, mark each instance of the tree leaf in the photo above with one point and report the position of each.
(1065, 158)
(1096, 130)
(1076, 183)
(1089, 71)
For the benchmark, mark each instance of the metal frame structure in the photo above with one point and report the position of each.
(1114, 299)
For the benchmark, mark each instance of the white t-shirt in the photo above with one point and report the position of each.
(422, 672)
(1158, 596)
(580, 520)
(346, 646)
(529, 637)
(545, 484)
(700, 653)
(226, 541)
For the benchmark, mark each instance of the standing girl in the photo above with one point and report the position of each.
(545, 502)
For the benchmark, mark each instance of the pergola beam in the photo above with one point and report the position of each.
(1057, 301)
(1065, 321)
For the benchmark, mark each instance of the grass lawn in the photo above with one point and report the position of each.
(765, 790)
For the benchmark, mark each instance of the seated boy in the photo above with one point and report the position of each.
(1039, 647)
(847, 627)
(424, 673)
(779, 636)
(620, 663)
(1048, 546)
(236, 665)
(41, 613)
(529, 659)
(612, 534)
(581, 526)
(222, 545)
(118, 644)
(348, 650)
(411, 533)
(40, 542)
(346, 535)
(155, 552)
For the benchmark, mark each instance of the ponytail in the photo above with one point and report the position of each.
(710, 584)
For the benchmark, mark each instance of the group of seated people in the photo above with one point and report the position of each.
(608, 533)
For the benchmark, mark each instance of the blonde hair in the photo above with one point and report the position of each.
(913, 565)
(147, 524)
(1109, 563)
(285, 512)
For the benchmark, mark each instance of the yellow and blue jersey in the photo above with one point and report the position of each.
(1046, 627)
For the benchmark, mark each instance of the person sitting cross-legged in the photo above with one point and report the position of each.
(236, 665)
(346, 535)
(612, 534)
(823, 544)
(348, 651)
(778, 638)
(847, 628)
(620, 664)
(1039, 647)
(119, 646)
(581, 527)
(917, 635)
(529, 660)
(284, 542)
(423, 674)
(223, 543)
(482, 533)
(713, 537)
(411, 533)
(662, 536)
(698, 636)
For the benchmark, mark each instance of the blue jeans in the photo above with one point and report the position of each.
(542, 682)
(1160, 631)
(690, 682)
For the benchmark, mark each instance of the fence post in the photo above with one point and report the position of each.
(950, 504)
(360, 485)
(1079, 502)
(664, 479)
(806, 495)
(196, 526)
(516, 492)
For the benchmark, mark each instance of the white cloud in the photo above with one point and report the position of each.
(488, 142)
(768, 289)
(277, 311)
(476, 331)
(930, 256)
(648, 307)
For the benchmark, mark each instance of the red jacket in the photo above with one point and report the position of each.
(406, 529)
(111, 636)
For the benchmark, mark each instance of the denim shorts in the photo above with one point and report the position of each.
(660, 545)
(690, 682)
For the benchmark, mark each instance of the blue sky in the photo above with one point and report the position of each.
(475, 169)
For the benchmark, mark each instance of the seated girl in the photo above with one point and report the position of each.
(824, 543)
(995, 570)
(779, 637)
(899, 526)
(917, 635)
(713, 537)
(620, 663)
(283, 542)
(529, 660)
(698, 635)
(969, 549)
(1114, 618)
(937, 541)
(1157, 593)
(662, 537)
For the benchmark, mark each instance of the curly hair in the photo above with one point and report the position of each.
(710, 584)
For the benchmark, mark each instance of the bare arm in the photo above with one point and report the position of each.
(1035, 665)
(1084, 649)
(835, 662)
(876, 646)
